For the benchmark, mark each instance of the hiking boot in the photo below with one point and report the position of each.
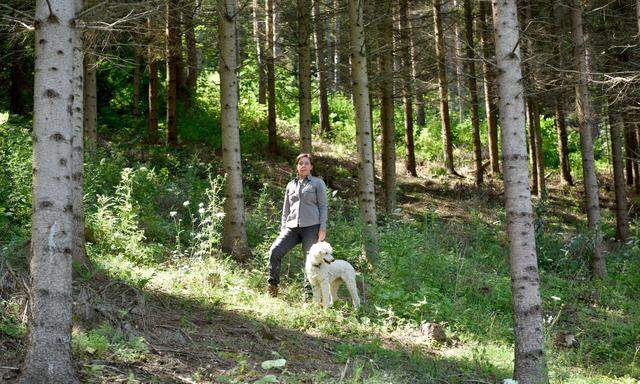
(273, 290)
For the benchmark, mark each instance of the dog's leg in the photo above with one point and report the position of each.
(326, 294)
(335, 285)
(353, 291)
(317, 294)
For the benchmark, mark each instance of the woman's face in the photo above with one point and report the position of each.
(304, 167)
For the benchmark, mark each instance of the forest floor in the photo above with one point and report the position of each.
(211, 321)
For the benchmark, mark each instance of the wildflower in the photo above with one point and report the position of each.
(220, 215)
(201, 211)
(556, 298)
(186, 203)
(173, 213)
(201, 205)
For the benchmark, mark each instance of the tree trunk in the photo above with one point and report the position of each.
(304, 71)
(630, 150)
(363, 130)
(456, 55)
(136, 85)
(192, 51)
(442, 89)
(90, 104)
(336, 46)
(325, 124)
(617, 128)
(473, 92)
(16, 102)
(387, 121)
(416, 78)
(529, 364)
(234, 236)
(49, 358)
(258, 35)
(532, 146)
(587, 120)
(537, 136)
(489, 88)
(563, 147)
(635, 130)
(271, 81)
(77, 151)
(407, 87)
(173, 57)
(152, 118)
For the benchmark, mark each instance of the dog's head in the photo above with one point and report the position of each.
(321, 252)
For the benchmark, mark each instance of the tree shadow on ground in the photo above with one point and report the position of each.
(198, 341)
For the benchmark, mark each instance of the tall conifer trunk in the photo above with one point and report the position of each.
(616, 127)
(489, 87)
(529, 364)
(49, 358)
(447, 142)
(587, 120)
(387, 119)
(363, 130)
(323, 103)
(473, 92)
(304, 73)
(173, 58)
(271, 80)
(407, 87)
(234, 236)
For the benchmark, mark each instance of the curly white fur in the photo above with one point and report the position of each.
(325, 274)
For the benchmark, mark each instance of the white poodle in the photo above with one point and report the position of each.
(325, 274)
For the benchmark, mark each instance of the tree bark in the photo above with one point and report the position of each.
(77, 151)
(442, 89)
(451, 16)
(537, 136)
(234, 236)
(630, 150)
(192, 51)
(473, 92)
(173, 57)
(616, 127)
(17, 80)
(563, 146)
(532, 146)
(407, 87)
(258, 35)
(387, 120)
(152, 118)
(363, 130)
(271, 80)
(415, 74)
(587, 127)
(337, 45)
(90, 103)
(136, 85)
(304, 72)
(529, 364)
(325, 124)
(489, 88)
(49, 358)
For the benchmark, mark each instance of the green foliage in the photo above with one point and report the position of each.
(107, 342)
(10, 325)
(15, 177)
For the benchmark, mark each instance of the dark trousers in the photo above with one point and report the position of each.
(287, 239)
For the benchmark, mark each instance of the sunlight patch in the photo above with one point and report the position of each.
(4, 117)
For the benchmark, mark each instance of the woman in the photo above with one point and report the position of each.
(304, 217)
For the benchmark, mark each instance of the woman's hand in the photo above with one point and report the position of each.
(321, 235)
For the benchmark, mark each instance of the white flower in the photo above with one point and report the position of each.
(220, 215)
(173, 213)
(201, 211)
(334, 193)
(201, 205)
(556, 298)
(509, 381)
(186, 203)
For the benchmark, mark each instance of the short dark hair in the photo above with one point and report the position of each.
(303, 155)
